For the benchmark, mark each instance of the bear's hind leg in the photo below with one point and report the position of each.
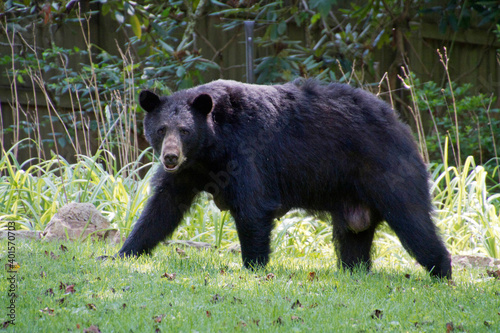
(353, 248)
(420, 238)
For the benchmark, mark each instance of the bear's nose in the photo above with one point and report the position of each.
(170, 159)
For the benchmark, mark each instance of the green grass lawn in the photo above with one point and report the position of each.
(65, 289)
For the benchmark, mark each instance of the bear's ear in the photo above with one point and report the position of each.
(203, 103)
(148, 100)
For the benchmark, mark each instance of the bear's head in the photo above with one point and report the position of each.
(176, 126)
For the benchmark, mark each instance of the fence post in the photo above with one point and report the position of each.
(249, 25)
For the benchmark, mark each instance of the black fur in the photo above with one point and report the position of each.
(262, 150)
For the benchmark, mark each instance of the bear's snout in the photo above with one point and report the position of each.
(171, 153)
(171, 161)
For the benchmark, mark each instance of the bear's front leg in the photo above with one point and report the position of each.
(253, 206)
(161, 216)
(254, 232)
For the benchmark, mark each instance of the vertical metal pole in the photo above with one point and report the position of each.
(249, 25)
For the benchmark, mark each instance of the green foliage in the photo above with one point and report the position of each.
(324, 53)
(461, 15)
(159, 54)
(477, 120)
(98, 83)
(206, 223)
(467, 209)
(32, 196)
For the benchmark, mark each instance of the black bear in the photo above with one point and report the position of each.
(263, 150)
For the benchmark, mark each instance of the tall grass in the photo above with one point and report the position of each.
(468, 123)
(30, 195)
(70, 113)
(466, 212)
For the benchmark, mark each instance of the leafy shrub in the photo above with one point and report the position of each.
(467, 120)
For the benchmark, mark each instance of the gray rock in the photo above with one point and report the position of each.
(77, 221)
(469, 261)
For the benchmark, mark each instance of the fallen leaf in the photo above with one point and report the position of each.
(159, 318)
(48, 311)
(270, 276)
(124, 306)
(242, 324)
(63, 248)
(449, 327)
(60, 301)
(62, 285)
(487, 323)
(378, 314)
(91, 306)
(209, 314)
(278, 321)
(217, 298)
(181, 253)
(5, 324)
(92, 329)
(12, 267)
(408, 276)
(297, 304)
(53, 256)
(312, 306)
(169, 276)
(43, 274)
(222, 271)
(295, 318)
(256, 321)
(311, 276)
(126, 288)
(70, 289)
(49, 292)
(78, 326)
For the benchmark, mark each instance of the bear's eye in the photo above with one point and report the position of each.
(161, 131)
(183, 131)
